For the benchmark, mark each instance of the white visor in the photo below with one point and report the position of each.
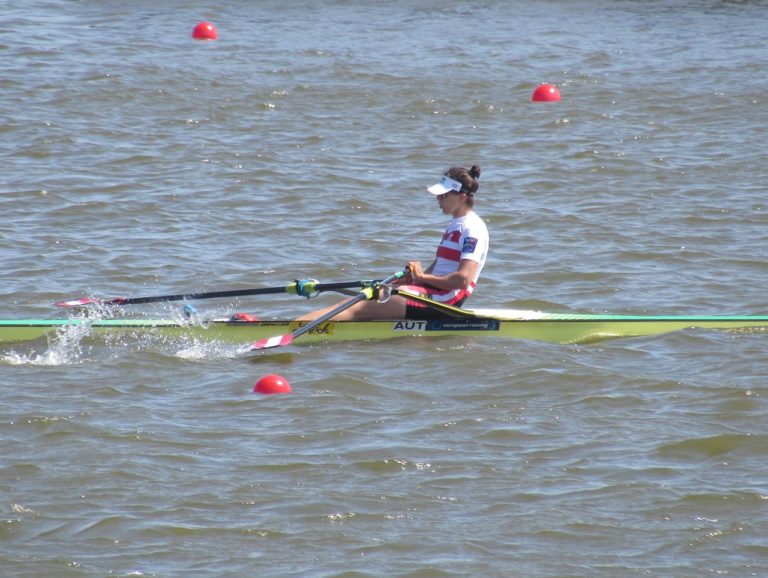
(446, 185)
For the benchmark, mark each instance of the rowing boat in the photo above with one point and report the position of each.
(509, 323)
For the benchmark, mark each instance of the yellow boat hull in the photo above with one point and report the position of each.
(533, 325)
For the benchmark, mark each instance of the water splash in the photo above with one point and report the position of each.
(64, 348)
(75, 344)
(196, 350)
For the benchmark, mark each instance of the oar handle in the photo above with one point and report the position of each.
(312, 287)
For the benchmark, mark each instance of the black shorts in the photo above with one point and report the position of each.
(422, 313)
(425, 313)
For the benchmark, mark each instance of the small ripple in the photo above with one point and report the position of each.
(743, 444)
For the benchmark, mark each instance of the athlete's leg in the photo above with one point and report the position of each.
(394, 308)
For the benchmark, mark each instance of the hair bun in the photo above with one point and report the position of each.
(474, 172)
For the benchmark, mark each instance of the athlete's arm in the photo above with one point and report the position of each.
(459, 279)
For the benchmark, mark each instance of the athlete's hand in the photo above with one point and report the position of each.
(415, 271)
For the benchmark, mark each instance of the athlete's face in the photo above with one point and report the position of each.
(451, 202)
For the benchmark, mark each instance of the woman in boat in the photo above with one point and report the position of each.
(453, 274)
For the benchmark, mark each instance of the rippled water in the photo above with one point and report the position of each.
(137, 161)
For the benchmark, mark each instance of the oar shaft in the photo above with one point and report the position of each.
(207, 295)
(305, 288)
(364, 295)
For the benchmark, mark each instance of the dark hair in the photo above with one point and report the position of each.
(468, 179)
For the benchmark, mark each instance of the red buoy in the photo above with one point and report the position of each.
(270, 384)
(546, 93)
(205, 31)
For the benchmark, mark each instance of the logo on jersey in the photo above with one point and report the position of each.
(452, 236)
(470, 244)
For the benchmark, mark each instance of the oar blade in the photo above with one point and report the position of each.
(269, 343)
(83, 301)
(77, 302)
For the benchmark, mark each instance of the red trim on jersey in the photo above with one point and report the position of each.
(449, 254)
(434, 294)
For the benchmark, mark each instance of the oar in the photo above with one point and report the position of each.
(368, 292)
(304, 287)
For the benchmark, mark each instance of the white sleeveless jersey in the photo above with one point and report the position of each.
(465, 238)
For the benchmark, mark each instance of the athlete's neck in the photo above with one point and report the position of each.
(462, 211)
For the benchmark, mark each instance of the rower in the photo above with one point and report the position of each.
(455, 270)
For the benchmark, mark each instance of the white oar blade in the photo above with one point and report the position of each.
(268, 343)
(82, 301)
(77, 302)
